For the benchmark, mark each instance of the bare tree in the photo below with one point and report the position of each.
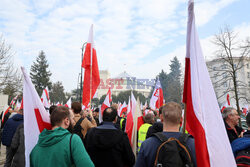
(10, 78)
(232, 56)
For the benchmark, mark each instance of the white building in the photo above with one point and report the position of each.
(219, 72)
(123, 82)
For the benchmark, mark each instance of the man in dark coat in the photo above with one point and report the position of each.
(231, 119)
(8, 133)
(107, 145)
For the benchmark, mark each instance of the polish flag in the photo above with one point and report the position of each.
(203, 114)
(130, 118)
(91, 74)
(13, 101)
(106, 102)
(226, 104)
(5, 112)
(45, 98)
(35, 116)
(156, 100)
(122, 109)
(68, 104)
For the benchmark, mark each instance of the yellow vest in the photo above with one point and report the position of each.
(142, 134)
(121, 122)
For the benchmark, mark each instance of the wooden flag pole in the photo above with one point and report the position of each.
(184, 120)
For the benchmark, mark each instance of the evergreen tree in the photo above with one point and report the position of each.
(39, 73)
(57, 93)
(174, 84)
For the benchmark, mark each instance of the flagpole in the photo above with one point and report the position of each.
(83, 47)
(91, 65)
(185, 119)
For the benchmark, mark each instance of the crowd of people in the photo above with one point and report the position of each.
(78, 138)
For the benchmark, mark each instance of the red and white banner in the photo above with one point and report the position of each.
(203, 113)
(122, 109)
(156, 100)
(226, 104)
(13, 101)
(91, 74)
(35, 116)
(45, 98)
(105, 104)
(68, 104)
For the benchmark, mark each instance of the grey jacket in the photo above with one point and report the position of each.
(17, 146)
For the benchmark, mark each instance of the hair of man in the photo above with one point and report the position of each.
(76, 107)
(149, 118)
(172, 113)
(58, 115)
(227, 111)
(109, 114)
(52, 108)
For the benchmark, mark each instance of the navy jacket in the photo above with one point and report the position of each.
(10, 127)
(147, 154)
(241, 143)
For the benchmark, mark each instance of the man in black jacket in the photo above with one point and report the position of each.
(108, 146)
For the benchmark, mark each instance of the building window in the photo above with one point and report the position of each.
(224, 75)
(224, 66)
(225, 84)
(249, 84)
(234, 65)
(248, 74)
(214, 68)
(247, 66)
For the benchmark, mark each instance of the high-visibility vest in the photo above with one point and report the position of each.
(142, 134)
(121, 122)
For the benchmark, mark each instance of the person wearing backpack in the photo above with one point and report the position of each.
(241, 147)
(170, 147)
(82, 124)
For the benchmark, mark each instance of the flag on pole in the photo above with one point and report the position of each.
(13, 101)
(35, 116)
(135, 121)
(68, 104)
(130, 117)
(156, 100)
(91, 73)
(122, 109)
(226, 104)
(105, 104)
(203, 114)
(45, 98)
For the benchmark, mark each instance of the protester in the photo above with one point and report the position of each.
(96, 116)
(107, 145)
(171, 118)
(157, 126)
(142, 133)
(18, 148)
(84, 122)
(6, 117)
(51, 108)
(57, 147)
(241, 146)
(8, 133)
(231, 119)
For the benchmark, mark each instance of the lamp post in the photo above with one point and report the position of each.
(83, 48)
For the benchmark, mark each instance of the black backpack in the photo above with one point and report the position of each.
(172, 152)
(78, 128)
(243, 157)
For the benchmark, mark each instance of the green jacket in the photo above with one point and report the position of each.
(53, 149)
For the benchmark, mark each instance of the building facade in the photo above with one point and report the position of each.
(220, 72)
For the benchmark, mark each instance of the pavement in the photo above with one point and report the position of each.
(2, 155)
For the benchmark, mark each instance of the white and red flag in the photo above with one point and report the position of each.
(45, 98)
(91, 73)
(226, 104)
(130, 117)
(156, 100)
(203, 114)
(13, 101)
(68, 104)
(35, 116)
(105, 104)
(122, 109)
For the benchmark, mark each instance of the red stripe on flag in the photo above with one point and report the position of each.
(41, 124)
(196, 129)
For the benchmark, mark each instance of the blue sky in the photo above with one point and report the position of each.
(142, 34)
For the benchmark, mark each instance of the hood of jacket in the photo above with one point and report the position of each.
(51, 137)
